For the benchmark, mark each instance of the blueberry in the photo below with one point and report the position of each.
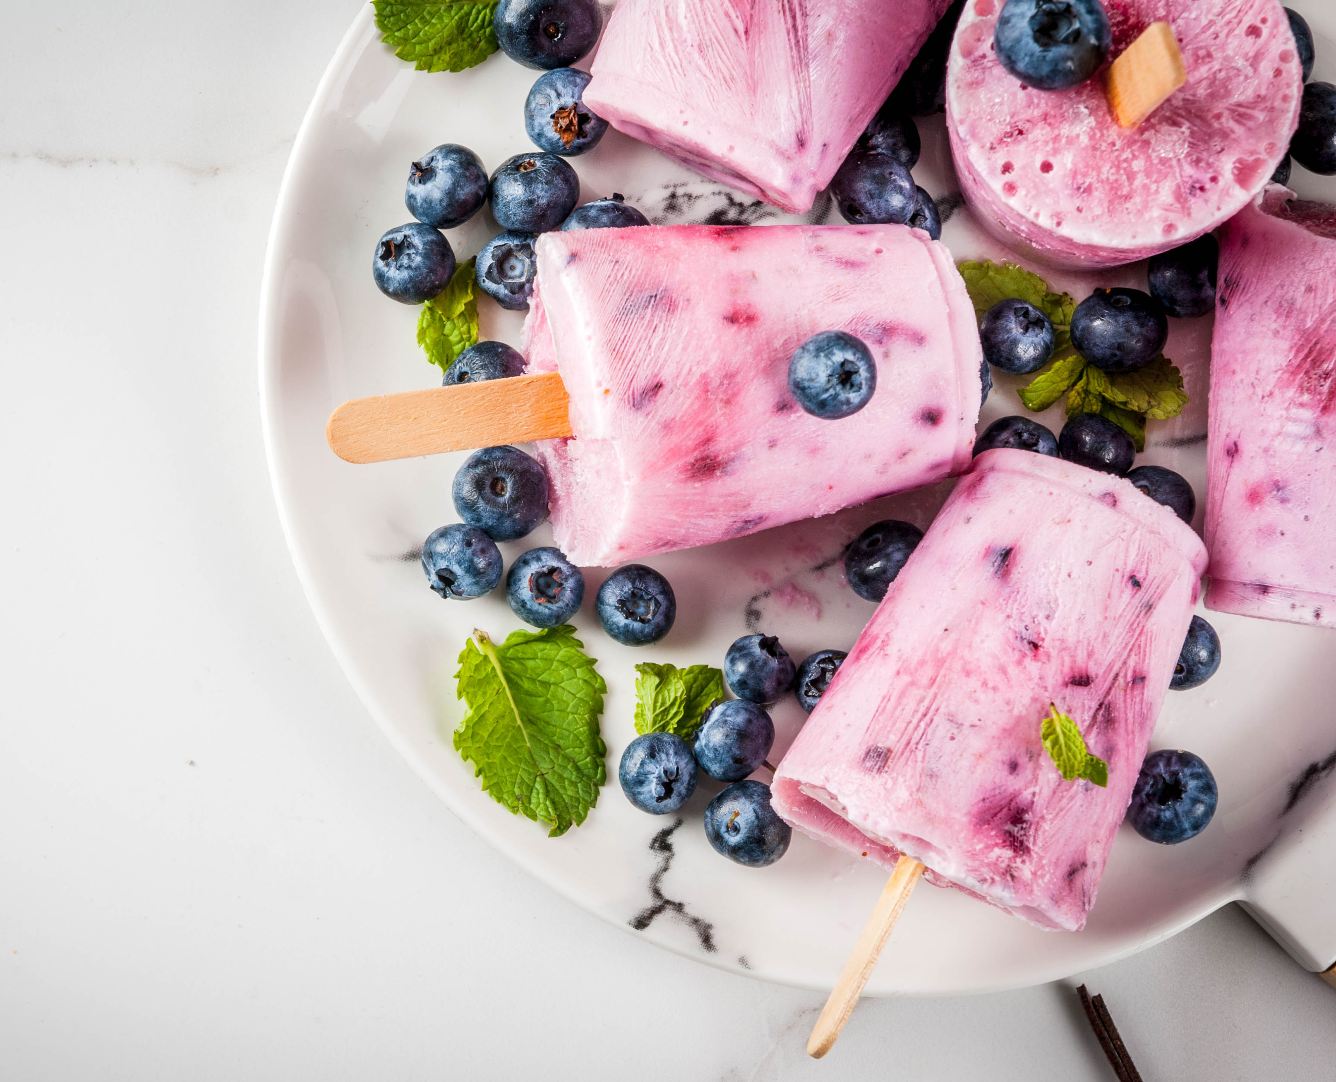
(1303, 42)
(546, 33)
(412, 263)
(1174, 797)
(483, 361)
(1119, 330)
(734, 738)
(1282, 173)
(556, 117)
(875, 557)
(657, 773)
(544, 588)
(871, 186)
(814, 676)
(1166, 487)
(1052, 44)
(1200, 657)
(1314, 143)
(446, 186)
(832, 375)
(532, 193)
(758, 668)
(461, 562)
(924, 215)
(505, 269)
(1017, 433)
(1017, 337)
(610, 213)
(893, 133)
(501, 490)
(636, 605)
(741, 825)
(985, 381)
(1094, 441)
(1183, 280)
(921, 90)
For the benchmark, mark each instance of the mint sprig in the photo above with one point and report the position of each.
(673, 700)
(448, 323)
(1066, 746)
(438, 35)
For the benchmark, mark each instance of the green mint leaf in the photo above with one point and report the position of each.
(531, 731)
(438, 35)
(1134, 424)
(988, 282)
(448, 323)
(1053, 382)
(1067, 748)
(1155, 390)
(673, 700)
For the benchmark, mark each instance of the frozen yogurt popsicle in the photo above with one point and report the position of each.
(1040, 582)
(1050, 172)
(674, 342)
(767, 96)
(1271, 489)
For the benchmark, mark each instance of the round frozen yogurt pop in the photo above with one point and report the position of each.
(1052, 173)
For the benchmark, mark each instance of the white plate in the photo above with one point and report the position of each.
(327, 335)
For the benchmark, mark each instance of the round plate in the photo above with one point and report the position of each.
(328, 335)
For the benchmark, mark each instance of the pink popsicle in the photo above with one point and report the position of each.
(1051, 173)
(1040, 581)
(1271, 492)
(674, 345)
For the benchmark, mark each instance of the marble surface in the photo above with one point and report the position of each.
(213, 864)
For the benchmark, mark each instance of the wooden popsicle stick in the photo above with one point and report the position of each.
(457, 418)
(1329, 976)
(863, 958)
(1144, 76)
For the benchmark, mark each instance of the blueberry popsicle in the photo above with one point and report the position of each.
(1040, 582)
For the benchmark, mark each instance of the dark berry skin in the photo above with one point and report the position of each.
(985, 381)
(636, 605)
(1166, 487)
(546, 33)
(1052, 44)
(1303, 42)
(412, 263)
(1017, 433)
(532, 193)
(1200, 657)
(876, 556)
(1096, 442)
(446, 186)
(612, 212)
(893, 133)
(483, 361)
(501, 490)
(461, 562)
(741, 825)
(1183, 280)
(872, 186)
(832, 375)
(734, 738)
(556, 117)
(1282, 173)
(657, 773)
(544, 588)
(814, 676)
(1119, 330)
(505, 269)
(1174, 798)
(925, 215)
(758, 668)
(1017, 337)
(922, 89)
(1314, 143)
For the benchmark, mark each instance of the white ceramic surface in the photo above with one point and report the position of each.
(1264, 723)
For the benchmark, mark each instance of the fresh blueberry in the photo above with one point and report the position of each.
(832, 375)
(1314, 143)
(505, 269)
(1282, 173)
(446, 186)
(483, 361)
(1017, 433)
(1166, 487)
(924, 215)
(532, 193)
(412, 263)
(1303, 42)
(734, 738)
(921, 90)
(461, 562)
(556, 117)
(1017, 337)
(544, 588)
(758, 668)
(657, 773)
(610, 213)
(1052, 44)
(1094, 441)
(1174, 797)
(1199, 658)
(814, 676)
(546, 33)
(501, 490)
(1119, 330)
(1183, 280)
(893, 133)
(636, 605)
(871, 186)
(985, 381)
(876, 556)
(741, 825)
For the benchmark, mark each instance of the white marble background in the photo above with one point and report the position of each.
(212, 866)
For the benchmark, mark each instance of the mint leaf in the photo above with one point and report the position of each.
(1155, 390)
(673, 700)
(1053, 382)
(438, 35)
(988, 282)
(448, 323)
(531, 731)
(1067, 748)
(1134, 424)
